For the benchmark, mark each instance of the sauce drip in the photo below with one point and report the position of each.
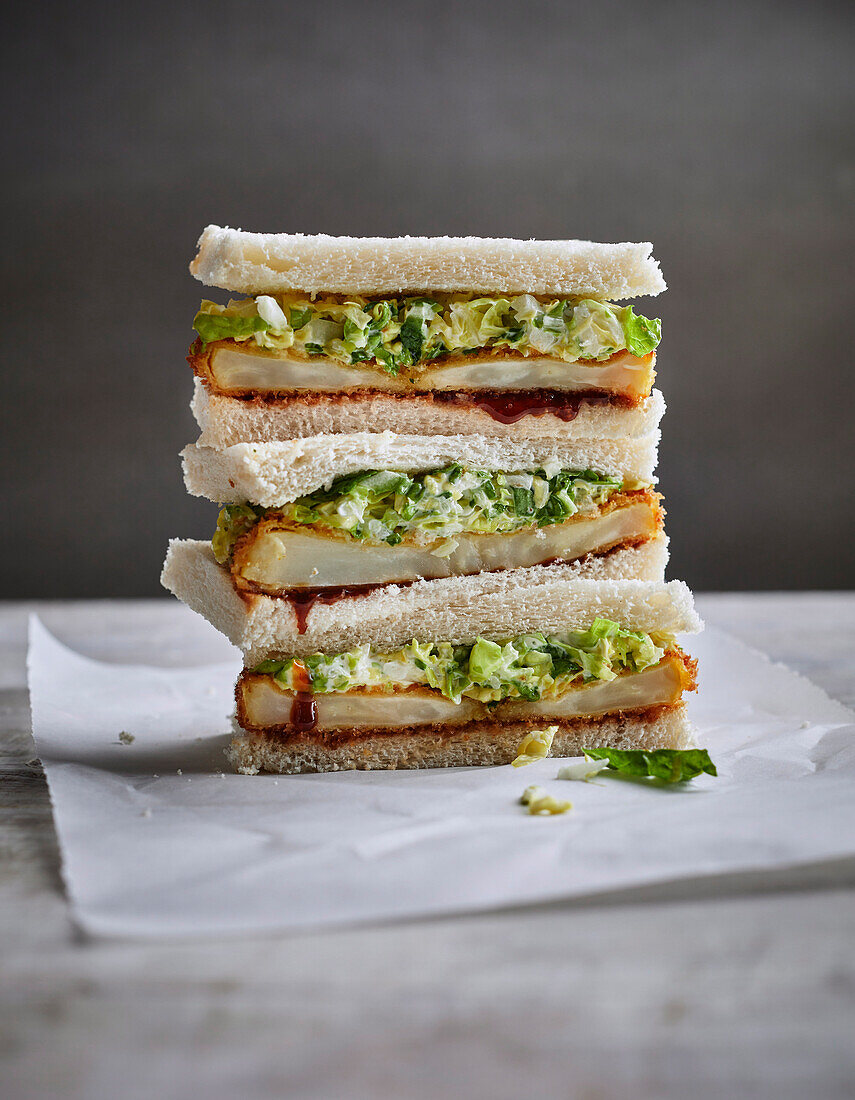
(304, 709)
(304, 712)
(304, 599)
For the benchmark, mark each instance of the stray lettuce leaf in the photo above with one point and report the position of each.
(669, 765)
(642, 333)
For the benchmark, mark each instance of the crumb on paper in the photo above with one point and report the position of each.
(541, 802)
(583, 769)
(146, 812)
(805, 725)
(126, 738)
(178, 771)
(314, 572)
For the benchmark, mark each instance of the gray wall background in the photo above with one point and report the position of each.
(722, 132)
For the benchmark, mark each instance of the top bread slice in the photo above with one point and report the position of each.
(266, 263)
(274, 474)
(548, 598)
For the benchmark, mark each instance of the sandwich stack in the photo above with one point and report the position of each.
(439, 529)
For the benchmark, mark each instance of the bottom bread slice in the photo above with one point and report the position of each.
(478, 743)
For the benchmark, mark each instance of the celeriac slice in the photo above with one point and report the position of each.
(237, 370)
(275, 559)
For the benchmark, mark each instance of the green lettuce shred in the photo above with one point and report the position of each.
(408, 333)
(215, 326)
(642, 334)
(233, 522)
(668, 765)
(528, 667)
(387, 506)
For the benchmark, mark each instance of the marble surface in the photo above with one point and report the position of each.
(736, 986)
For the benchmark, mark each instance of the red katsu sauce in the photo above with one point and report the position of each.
(505, 406)
(304, 599)
(509, 407)
(304, 712)
(304, 709)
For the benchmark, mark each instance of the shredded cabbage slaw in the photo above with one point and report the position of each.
(384, 506)
(409, 334)
(527, 667)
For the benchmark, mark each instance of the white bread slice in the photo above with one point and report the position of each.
(456, 609)
(482, 743)
(273, 474)
(262, 263)
(225, 421)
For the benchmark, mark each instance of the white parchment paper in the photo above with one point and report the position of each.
(158, 839)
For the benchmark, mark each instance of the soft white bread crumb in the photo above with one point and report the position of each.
(485, 743)
(225, 421)
(546, 598)
(264, 263)
(273, 474)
